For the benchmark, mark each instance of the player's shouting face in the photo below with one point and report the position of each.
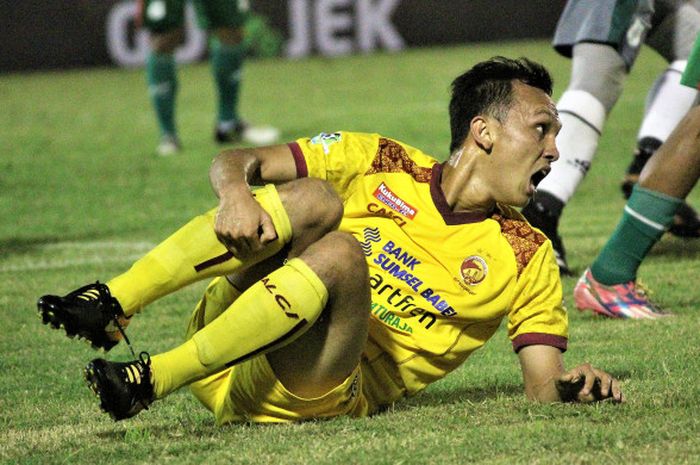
(523, 145)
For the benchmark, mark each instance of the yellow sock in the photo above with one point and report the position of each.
(191, 254)
(272, 313)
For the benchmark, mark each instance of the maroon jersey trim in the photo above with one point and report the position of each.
(448, 215)
(531, 339)
(299, 160)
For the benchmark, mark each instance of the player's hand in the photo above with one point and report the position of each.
(243, 226)
(588, 384)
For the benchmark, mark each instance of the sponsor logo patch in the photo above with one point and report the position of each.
(473, 270)
(370, 235)
(326, 140)
(281, 300)
(393, 201)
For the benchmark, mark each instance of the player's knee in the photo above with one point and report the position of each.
(167, 42)
(598, 70)
(313, 206)
(329, 202)
(348, 250)
(229, 36)
(337, 258)
(349, 263)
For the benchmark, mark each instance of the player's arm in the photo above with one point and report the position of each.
(546, 379)
(241, 224)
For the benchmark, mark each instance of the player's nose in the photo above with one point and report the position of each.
(551, 152)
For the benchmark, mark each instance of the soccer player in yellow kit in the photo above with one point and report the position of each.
(360, 273)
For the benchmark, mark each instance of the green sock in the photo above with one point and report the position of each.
(226, 62)
(162, 88)
(646, 217)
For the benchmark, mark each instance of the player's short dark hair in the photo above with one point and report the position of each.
(487, 89)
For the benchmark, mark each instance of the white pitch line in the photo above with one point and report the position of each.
(34, 265)
(133, 245)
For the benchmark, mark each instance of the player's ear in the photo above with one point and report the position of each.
(482, 132)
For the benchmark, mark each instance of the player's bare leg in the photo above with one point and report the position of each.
(675, 168)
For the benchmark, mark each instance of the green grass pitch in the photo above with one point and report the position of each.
(82, 195)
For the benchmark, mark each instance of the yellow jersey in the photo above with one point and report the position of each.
(442, 281)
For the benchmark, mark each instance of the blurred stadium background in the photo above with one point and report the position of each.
(42, 34)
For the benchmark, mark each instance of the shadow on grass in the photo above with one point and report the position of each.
(464, 394)
(23, 245)
(677, 248)
(16, 246)
(202, 425)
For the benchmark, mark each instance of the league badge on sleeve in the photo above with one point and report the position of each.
(326, 140)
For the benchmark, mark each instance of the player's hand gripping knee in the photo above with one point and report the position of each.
(243, 226)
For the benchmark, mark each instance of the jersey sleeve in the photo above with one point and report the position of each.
(537, 314)
(339, 157)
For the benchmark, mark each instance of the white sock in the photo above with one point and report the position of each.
(582, 116)
(226, 126)
(668, 101)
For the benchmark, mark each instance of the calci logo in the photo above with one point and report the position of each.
(473, 270)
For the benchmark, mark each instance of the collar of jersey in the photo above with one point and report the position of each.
(450, 217)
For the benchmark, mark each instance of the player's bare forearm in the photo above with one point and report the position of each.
(237, 169)
(541, 366)
(233, 171)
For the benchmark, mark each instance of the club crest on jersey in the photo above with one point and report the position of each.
(326, 140)
(473, 270)
(393, 201)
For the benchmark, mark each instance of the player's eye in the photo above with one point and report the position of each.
(541, 129)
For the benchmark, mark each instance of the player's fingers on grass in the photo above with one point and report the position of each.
(566, 378)
(589, 377)
(617, 394)
(606, 385)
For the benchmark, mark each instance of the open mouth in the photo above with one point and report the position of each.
(536, 178)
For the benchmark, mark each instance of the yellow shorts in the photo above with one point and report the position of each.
(251, 392)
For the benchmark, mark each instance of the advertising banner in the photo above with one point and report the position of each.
(44, 34)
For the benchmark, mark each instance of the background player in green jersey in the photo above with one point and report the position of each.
(224, 21)
(609, 287)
